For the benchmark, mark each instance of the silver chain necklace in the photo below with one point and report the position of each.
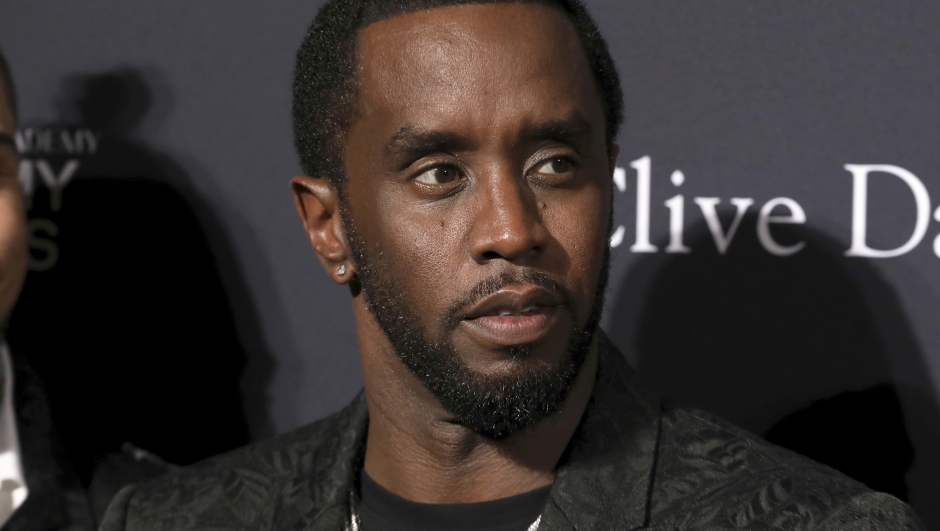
(353, 523)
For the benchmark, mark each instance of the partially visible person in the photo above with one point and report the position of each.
(113, 249)
(39, 490)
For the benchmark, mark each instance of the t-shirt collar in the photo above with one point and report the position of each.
(604, 480)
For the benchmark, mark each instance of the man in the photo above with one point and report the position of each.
(40, 489)
(459, 158)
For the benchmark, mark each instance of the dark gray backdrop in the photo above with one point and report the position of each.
(757, 100)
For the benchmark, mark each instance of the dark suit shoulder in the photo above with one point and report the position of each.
(248, 488)
(713, 474)
(285, 454)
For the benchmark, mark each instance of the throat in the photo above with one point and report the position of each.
(446, 463)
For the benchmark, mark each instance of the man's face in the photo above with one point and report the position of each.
(12, 217)
(478, 204)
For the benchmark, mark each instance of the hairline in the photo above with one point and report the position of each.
(326, 91)
(357, 55)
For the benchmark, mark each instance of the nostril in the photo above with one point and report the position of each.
(509, 254)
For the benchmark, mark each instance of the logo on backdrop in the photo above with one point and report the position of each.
(51, 158)
(780, 210)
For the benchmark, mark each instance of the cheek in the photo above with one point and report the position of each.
(426, 249)
(405, 243)
(12, 248)
(579, 225)
(12, 228)
(423, 255)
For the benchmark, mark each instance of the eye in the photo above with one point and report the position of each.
(555, 166)
(439, 175)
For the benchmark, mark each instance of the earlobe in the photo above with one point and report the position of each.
(317, 205)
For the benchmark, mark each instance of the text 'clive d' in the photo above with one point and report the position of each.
(777, 211)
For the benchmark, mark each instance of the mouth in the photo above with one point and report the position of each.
(515, 315)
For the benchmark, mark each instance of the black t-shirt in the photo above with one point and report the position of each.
(381, 510)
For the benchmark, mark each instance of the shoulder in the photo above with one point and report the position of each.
(243, 489)
(714, 473)
(696, 444)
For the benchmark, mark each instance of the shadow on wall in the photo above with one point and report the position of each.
(139, 327)
(805, 349)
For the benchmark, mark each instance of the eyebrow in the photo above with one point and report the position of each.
(565, 130)
(413, 142)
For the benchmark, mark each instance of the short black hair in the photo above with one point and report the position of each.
(7, 79)
(325, 88)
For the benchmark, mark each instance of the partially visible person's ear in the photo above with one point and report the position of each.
(317, 203)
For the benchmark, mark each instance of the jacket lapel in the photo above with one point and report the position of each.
(606, 479)
(334, 470)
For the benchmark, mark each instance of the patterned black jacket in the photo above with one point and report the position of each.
(632, 464)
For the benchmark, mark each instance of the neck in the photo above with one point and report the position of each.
(416, 452)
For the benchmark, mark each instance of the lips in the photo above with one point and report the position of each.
(515, 315)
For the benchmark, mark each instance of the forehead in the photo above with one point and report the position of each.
(476, 61)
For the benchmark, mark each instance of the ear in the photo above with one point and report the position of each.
(317, 203)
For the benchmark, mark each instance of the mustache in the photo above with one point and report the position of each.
(489, 286)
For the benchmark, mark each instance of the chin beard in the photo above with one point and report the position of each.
(492, 406)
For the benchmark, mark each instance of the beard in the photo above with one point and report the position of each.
(494, 406)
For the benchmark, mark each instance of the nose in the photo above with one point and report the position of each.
(508, 224)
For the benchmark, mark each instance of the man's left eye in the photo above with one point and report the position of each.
(555, 165)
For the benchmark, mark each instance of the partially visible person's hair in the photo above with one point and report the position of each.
(7, 79)
(325, 85)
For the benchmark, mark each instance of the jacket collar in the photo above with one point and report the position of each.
(603, 481)
(334, 467)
